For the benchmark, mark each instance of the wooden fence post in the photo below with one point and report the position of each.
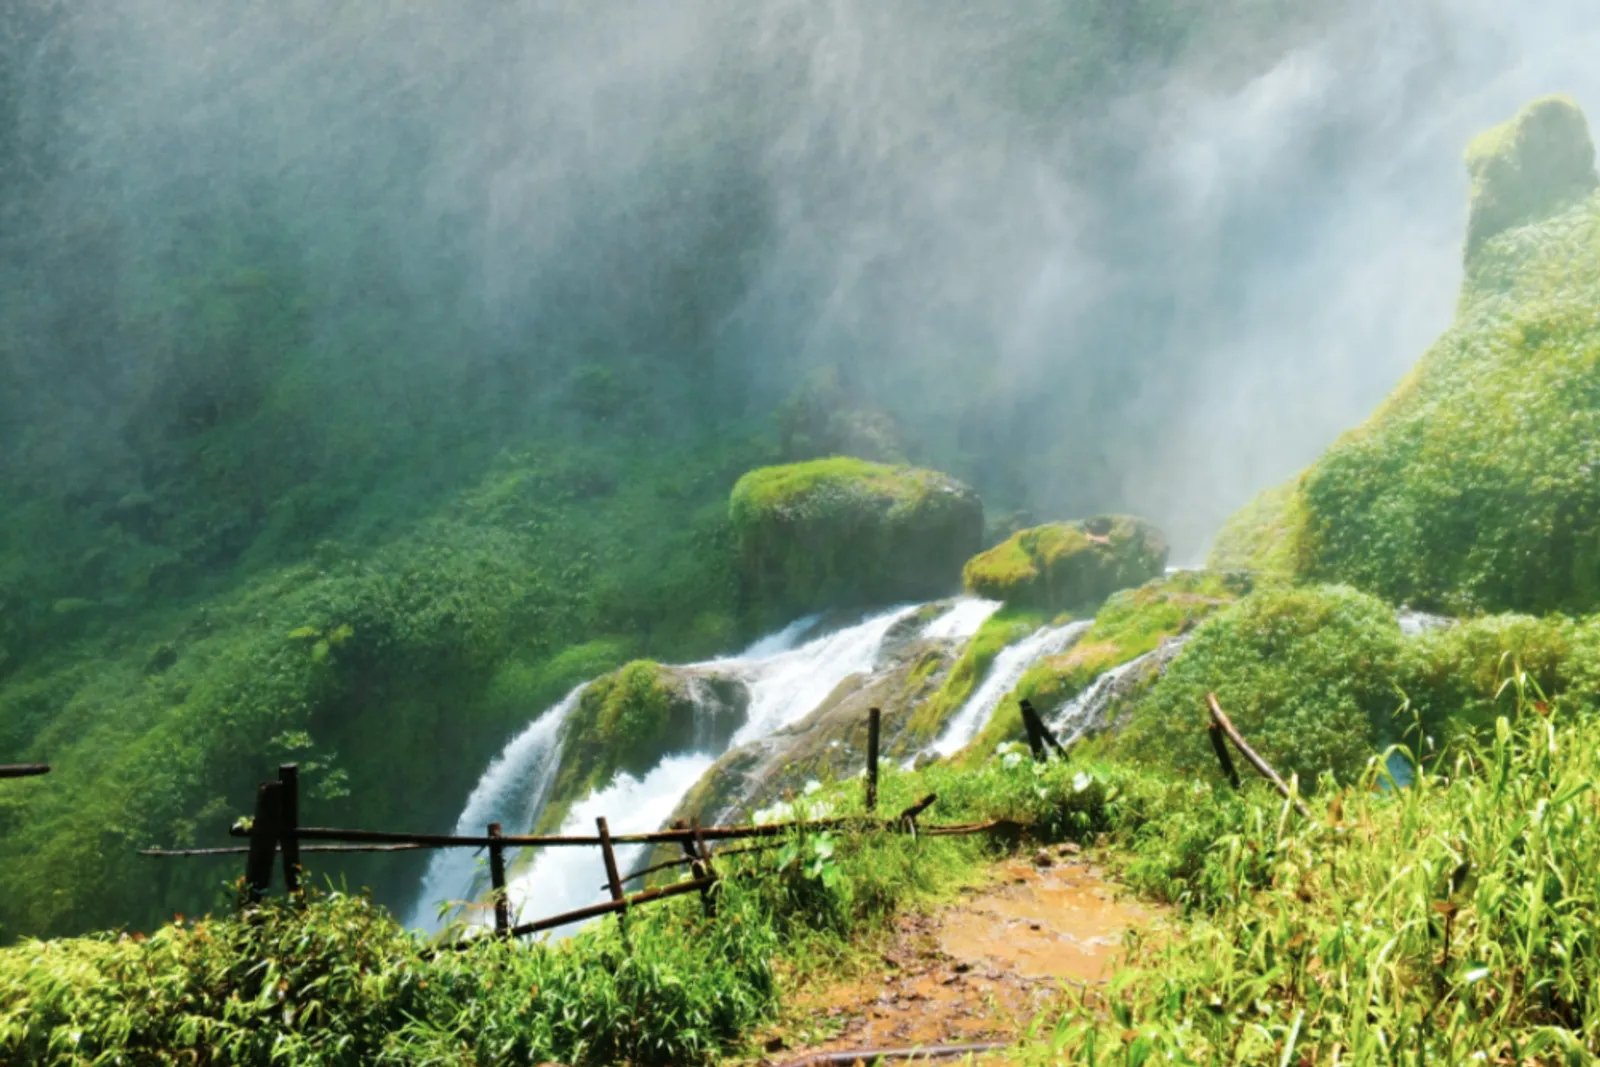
(1220, 747)
(264, 832)
(874, 717)
(497, 882)
(289, 810)
(1040, 739)
(704, 869)
(613, 877)
(1220, 719)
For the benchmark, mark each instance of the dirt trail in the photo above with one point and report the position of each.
(980, 969)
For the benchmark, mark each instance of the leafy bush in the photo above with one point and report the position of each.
(1307, 674)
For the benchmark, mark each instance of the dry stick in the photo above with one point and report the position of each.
(289, 807)
(1220, 747)
(264, 840)
(872, 1055)
(1249, 754)
(23, 770)
(612, 878)
(608, 908)
(497, 883)
(874, 715)
(240, 850)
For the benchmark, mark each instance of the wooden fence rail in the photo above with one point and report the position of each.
(23, 770)
(275, 831)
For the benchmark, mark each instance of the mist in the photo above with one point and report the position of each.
(1085, 281)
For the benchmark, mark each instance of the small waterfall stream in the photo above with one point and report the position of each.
(1004, 674)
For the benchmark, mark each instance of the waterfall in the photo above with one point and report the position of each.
(1004, 674)
(1416, 623)
(961, 621)
(785, 681)
(1089, 708)
(512, 791)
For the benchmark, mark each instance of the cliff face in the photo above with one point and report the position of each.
(1473, 486)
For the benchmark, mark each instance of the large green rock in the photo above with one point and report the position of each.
(1069, 564)
(840, 532)
(626, 721)
(1474, 486)
(1307, 674)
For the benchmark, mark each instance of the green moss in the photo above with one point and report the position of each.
(1473, 487)
(1529, 168)
(1263, 536)
(1307, 674)
(1068, 564)
(1005, 627)
(1131, 623)
(841, 531)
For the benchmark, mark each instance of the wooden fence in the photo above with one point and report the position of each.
(276, 831)
(23, 770)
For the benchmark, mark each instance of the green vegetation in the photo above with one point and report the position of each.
(1448, 922)
(1307, 674)
(1131, 623)
(840, 531)
(1067, 565)
(1472, 488)
(405, 661)
(1005, 627)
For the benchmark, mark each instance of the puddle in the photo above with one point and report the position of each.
(981, 969)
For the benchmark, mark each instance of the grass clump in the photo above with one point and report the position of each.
(842, 532)
(1065, 565)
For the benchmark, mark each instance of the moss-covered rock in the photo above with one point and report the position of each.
(1131, 624)
(841, 531)
(1527, 169)
(628, 720)
(1307, 674)
(831, 741)
(1473, 487)
(1068, 564)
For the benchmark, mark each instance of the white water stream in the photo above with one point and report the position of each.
(1004, 674)
(786, 680)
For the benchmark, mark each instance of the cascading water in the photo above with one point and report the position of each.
(785, 682)
(1004, 674)
(512, 791)
(1089, 708)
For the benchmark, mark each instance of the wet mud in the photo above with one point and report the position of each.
(980, 969)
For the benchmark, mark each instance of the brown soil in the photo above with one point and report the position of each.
(979, 970)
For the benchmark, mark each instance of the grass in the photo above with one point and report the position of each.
(1449, 922)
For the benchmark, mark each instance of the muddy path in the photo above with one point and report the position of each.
(979, 969)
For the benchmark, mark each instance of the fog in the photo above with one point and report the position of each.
(1085, 281)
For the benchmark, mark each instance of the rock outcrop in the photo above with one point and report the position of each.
(841, 532)
(1068, 564)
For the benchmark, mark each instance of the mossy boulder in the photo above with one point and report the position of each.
(626, 721)
(1068, 564)
(1527, 169)
(1307, 674)
(842, 532)
(1473, 488)
(1132, 623)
